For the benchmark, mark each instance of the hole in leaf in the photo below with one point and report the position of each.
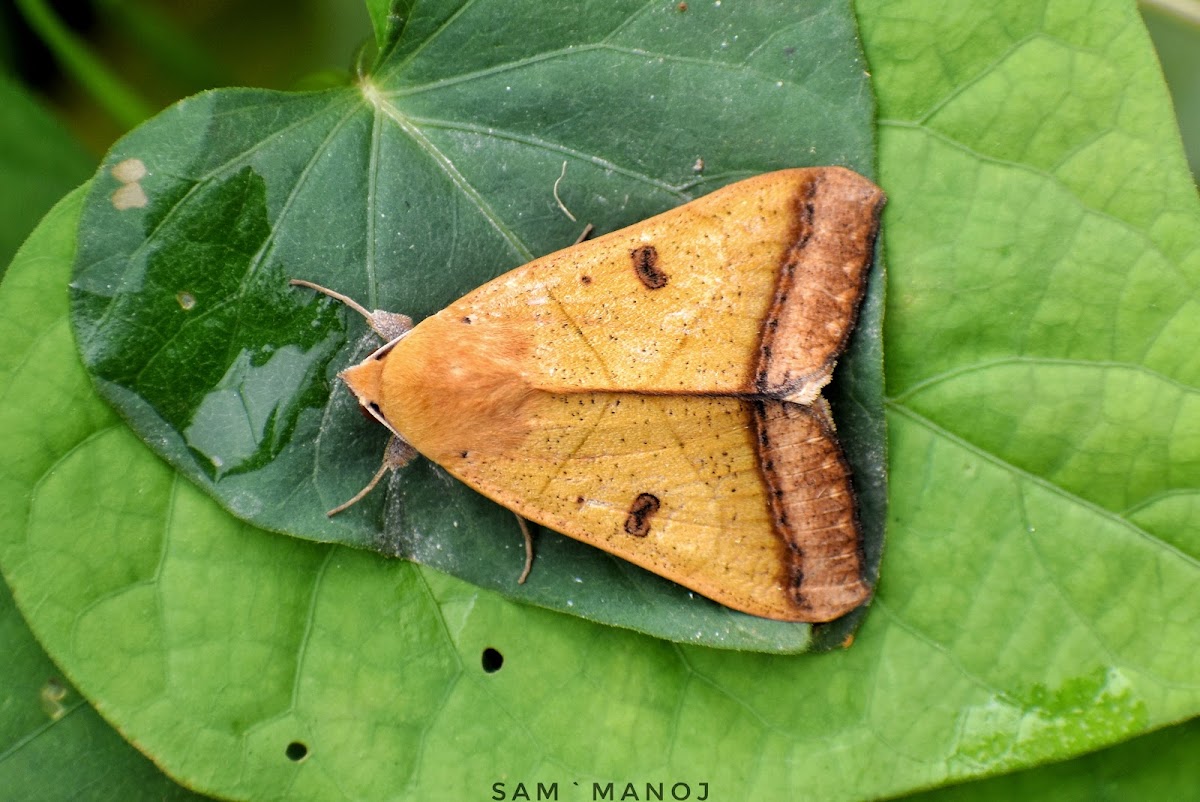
(296, 751)
(492, 660)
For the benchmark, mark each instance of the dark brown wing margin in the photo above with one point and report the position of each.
(812, 503)
(821, 283)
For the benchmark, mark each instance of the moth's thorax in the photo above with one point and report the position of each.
(455, 385)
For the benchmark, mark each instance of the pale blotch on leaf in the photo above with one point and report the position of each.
(52, 695)
(131, 195)
(187, 301)
(129, 171)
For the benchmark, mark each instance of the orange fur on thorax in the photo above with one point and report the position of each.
(451, 387)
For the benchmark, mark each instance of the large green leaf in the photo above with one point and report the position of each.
(436, 174)
(1161, 765)
(53, 745)
(990, 646)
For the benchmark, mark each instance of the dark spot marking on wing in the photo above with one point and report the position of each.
(638, 522)
(645, 265)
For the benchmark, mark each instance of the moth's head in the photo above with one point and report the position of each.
(365, 380)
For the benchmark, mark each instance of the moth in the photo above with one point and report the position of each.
(656, 392)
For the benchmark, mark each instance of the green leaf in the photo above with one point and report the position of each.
(53, 745)
(436, 175)
(387, 20)
(989, 647)
(1160, 765)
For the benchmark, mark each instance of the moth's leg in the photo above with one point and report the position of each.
(388, 325)
(397, 454)
(524, 524)
(587, 232)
